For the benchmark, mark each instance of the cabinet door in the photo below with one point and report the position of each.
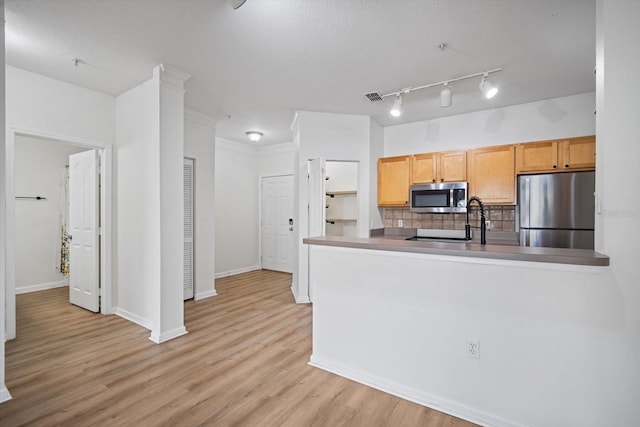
(423, 168)
(578, 153)
(537, 157)
(394, 174)
(492, 174)
(452, 166)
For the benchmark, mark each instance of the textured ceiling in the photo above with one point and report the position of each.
(261, 62)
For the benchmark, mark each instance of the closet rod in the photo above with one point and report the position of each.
(31, 197)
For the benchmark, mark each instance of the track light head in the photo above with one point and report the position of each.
(396, 109)
(487, 89)
(445, 96)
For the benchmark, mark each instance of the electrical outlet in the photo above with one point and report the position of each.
(400, 223)
(473, 349)
(488, 224)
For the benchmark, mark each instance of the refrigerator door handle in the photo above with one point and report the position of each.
(526, 203)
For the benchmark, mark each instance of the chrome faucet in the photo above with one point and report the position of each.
(483, 221)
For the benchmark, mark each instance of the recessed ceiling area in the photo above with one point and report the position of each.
(261, 62)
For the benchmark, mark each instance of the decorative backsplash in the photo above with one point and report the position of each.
(503, 218)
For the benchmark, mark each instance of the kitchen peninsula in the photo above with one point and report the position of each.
(402, 316)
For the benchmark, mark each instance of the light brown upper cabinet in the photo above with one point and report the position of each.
(394, 175)
(492, 175)
(557, 155)
(448, 166)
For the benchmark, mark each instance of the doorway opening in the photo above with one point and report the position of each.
(36, 227)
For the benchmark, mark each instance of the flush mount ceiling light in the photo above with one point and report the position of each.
(446, 94)
(254, 135)
(487, 89)
(396, 109)
(235, 4)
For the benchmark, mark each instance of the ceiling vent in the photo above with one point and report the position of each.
(373, 96)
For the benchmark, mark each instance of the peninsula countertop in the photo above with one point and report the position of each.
(466, 249)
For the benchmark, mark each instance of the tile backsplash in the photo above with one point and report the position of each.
(503, 218)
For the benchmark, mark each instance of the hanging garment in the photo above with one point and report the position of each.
(64, 252)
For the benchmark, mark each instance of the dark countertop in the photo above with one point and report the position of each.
(398, 243)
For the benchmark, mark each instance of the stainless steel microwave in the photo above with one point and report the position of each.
(440, 197)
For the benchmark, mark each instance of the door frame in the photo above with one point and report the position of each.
(260, 213)
(106, 219)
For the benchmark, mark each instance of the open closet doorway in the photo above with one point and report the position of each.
(40, 252)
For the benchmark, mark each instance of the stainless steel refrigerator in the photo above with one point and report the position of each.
(557, 209)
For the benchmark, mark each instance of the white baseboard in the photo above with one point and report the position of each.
(40, 287)
(4, 394)
(127, 315)
(300, 299)
(169, 335)
(438, 403)
(237, 271)
(205, 294)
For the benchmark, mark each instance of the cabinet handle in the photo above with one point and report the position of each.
(566, 166)
(433, 180)
(555, 166)
(441, 179)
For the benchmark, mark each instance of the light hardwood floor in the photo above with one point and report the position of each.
(244, 363)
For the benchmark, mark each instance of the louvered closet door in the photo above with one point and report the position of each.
(188, 228)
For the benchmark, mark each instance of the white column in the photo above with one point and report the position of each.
(168, 322)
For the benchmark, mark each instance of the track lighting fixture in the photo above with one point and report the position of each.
(487, 89)
(446, 94)
(396, 109)
(254, 135)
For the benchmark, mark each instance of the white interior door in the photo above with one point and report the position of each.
(317, 195)
(84, 253)
(277, 223)
(188, 228)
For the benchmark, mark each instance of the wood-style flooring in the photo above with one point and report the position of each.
(243, 363)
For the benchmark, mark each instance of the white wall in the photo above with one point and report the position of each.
(237, 212)
(333, 137)
(42, 106)
(618, 218)
(138, 193)
(48, 106)
(40, 171)
(553, 118)
(238, 173)
(275, 159)
(556, 347)
(377, 151)
(343, 176)
(199, 144)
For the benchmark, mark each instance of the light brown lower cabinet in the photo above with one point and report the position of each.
(492, 175)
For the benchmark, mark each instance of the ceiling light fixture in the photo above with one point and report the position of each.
(235, 4)
(396, 109)
(254, 135)
(446, 94)
(487, 88)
